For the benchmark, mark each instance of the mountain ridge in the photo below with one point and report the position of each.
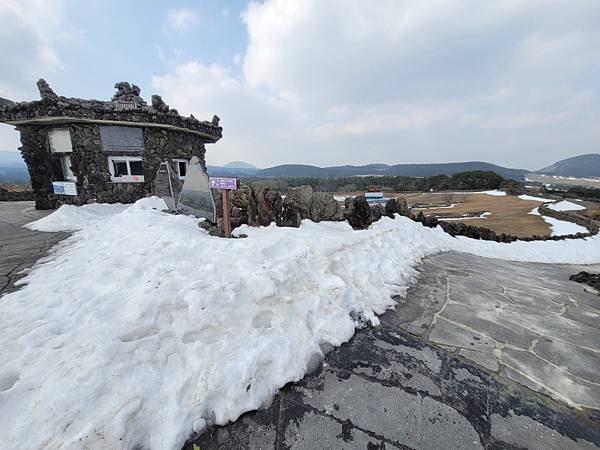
(580, 166)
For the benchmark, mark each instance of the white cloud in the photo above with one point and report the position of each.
(30, 33)
(180, 19)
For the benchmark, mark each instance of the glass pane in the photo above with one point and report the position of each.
(120, 168)
(136, 168)
(182, 168)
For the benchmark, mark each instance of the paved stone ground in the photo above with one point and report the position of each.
(472, 358)
(20, 248)
(480, 354)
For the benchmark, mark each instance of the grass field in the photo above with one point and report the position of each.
(509, 213)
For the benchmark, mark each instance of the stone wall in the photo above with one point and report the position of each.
(461, 229)
(89, 163)
(359, 214)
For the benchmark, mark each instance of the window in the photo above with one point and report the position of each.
(68, 175)
(126, 169)
(60, 140)
(181, 166)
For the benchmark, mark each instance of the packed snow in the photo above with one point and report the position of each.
(560, 227)
(495, 193)
(141, 329)
(535, 199)
(566, 206)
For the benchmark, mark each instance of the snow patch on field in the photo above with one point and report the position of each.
(141, 328)
(566, 206)
(560, 227)
(535, 199)
(495, 193)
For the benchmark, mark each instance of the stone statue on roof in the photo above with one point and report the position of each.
(128, 93)
(46, 92)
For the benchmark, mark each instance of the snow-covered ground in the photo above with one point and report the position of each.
(535, 199)
(565, 205)
(141, 328)
(560, 227)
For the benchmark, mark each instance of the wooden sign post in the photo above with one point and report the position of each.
(224, 185)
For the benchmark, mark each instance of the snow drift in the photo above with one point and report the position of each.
(141, 328)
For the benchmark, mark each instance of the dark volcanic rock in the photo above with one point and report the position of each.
(242, 207)
(46, 92)
(591, 279)
(323, 207)
(396, 206)
(269, 204)
(296, 205)
(359, 215)
(376, 213)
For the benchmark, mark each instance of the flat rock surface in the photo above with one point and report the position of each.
(480, 354)
(20, 248)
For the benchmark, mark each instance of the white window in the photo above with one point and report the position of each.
(60, 140)
(181, 166)
(126, 169)
(68, 174)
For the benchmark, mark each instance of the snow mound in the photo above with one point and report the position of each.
(142, 328)
(495, 193)
(535, 199)
(72, 218)
(566, 206)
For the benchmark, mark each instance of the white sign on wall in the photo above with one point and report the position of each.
(64, 188)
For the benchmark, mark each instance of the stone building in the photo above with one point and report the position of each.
(84, 151)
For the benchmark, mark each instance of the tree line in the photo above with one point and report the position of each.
(474, 180)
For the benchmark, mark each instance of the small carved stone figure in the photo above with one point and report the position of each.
(215, 120)
(158, 104)
(46, 92)
(128, 93)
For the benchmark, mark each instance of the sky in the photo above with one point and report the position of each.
(327, 82)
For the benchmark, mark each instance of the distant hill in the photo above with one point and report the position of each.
(581, 166)
(239, 165)
(411, 170)
(12, 159)
(13, 169)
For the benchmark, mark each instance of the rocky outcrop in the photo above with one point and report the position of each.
(323, 207)
(268, 205)
(358, 213)
(591, 279)
(296, 206)
(242, 207)
(396, 206)
(377, 212)
(15, 196)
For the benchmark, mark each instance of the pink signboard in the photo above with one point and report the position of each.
(222, 183)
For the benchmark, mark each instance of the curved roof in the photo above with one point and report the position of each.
(125, 108)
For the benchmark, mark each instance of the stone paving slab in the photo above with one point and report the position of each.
(527, 321)
(433, 377)
(21, 248)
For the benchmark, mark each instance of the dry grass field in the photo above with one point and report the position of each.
(589, 182)
(509, 213)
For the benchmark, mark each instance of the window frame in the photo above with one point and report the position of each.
(187, 165)
(125, 178)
